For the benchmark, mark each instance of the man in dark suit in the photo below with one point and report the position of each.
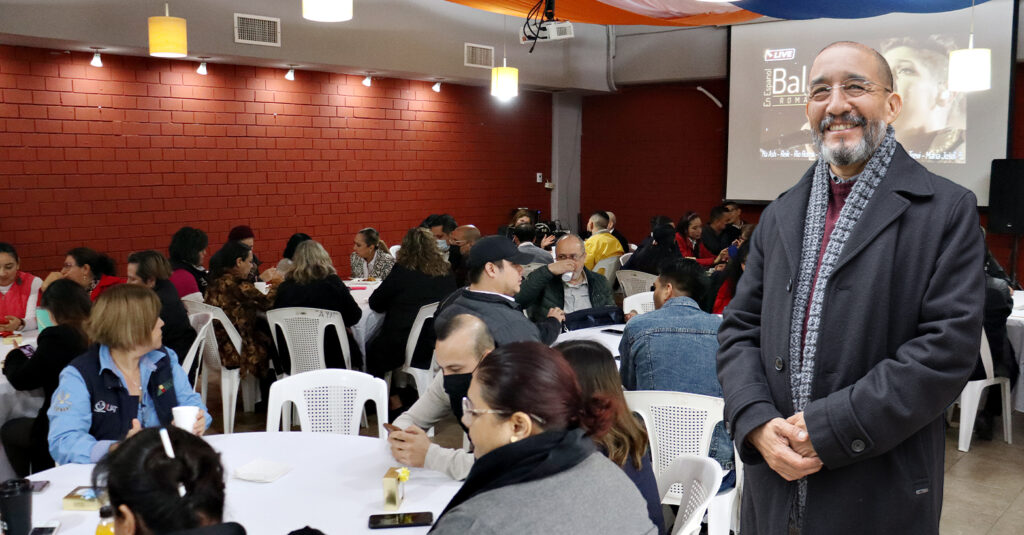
(856, 322)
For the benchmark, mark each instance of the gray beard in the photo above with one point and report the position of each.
(844, 155)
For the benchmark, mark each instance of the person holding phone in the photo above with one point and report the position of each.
(19, 292)
(127, 381)
(537, 469)
(64, 308)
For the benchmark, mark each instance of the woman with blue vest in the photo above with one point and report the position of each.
(125, 382)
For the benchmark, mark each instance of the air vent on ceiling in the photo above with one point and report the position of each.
(479, 56)
(257, 30)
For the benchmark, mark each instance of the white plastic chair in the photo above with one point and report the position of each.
(394, 252)
(230, 380)
(642, 302)
(531, 267)
(194, 296)
(634, 282)
(608, 267)
(328, 401)
(304, 331)
(724, 510)
(632, 247)
(625, 258)
(699, 478)
(201, 323)
(970, 398)
(419, 376)
(677, 423)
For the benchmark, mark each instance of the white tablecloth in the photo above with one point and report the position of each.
(16, 404)
(371, 321)
(597, 334)
(1015, 331)
(334, 485)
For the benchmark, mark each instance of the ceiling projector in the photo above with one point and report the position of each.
(546, 31)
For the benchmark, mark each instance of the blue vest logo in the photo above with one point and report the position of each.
(103, 406)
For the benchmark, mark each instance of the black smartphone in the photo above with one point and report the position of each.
(40, 486)
(401, 520)
(612, 331)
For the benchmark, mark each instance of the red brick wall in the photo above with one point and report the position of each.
(651, 150)
(117, 158)
(660, 149)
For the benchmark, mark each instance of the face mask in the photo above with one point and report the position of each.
(44, 319)
(457, 387)
(443, 246)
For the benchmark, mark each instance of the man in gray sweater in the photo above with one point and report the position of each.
(460, 346)
(495, 273)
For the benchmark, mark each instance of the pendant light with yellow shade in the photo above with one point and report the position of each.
(167, 36)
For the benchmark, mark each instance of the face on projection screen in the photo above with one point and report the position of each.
(953, 134)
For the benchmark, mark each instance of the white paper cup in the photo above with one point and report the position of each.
(185, 417)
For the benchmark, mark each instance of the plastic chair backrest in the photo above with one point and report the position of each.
(426, 311)
(394, 252)
(986, 357)
(304, 331)
(699, 479)
(642, 302)
(194, 307)
(328, 401)
(625, 258)
(677, 423)
(608, 267)
(202, 323)
(634, 282)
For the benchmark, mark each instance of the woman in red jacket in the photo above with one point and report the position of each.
(688, 238)
(18, 293)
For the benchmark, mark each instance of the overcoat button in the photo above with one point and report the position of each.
(779, 364)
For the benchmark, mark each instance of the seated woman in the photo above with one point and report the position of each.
(187, 254)
(729, 279)
(152, 493)
(232, 291)
(286, 262)
(18, 292)
(420, 277)
(662, 248)
(127, 381)
(626, 442)
(152, 270)
(93, 271)
(370, 258)
(64, 307)
(690, 246)
(313, 282)
(537, 469)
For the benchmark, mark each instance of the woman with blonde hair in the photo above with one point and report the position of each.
(125, 382)
(313, 282)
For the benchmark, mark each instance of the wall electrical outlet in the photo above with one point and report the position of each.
(549, 185)
(540, 177)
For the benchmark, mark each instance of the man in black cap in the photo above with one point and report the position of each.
(495, 273)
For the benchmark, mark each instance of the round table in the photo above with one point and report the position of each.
(16, 403)
(371, 322)
(334, 485)
(609, 340)
(1015, 332)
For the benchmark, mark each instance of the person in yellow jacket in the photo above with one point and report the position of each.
(601, 244)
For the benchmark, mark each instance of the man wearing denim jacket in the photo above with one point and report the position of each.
(674, 348)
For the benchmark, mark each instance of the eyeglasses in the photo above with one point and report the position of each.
(568, 257)
(467, 408)
(851, 88)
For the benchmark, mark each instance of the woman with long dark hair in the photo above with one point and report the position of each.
(688, 236)
(187, 253)
(625, 443)
(93, 271)
(537, 469)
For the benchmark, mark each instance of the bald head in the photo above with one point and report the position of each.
(464, 334)
(884, 72)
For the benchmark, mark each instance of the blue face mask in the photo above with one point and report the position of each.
(44, 319)
(443, 246)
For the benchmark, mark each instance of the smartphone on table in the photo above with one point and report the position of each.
(40, 486)
(48, 528)
(401, 520)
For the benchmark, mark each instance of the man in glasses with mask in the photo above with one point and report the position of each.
(856, 322)
(461, 343)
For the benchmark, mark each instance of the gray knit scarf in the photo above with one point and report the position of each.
(807, 305)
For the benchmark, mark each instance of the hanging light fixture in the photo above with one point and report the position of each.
(970, 69)
(201, 69)
(436, 87)
(504, 79)
(290, 75)
(97, 61)
(327, 10)
(368, 81)
(167, 36)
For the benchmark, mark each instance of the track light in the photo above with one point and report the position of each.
(367, 81)
(436, 87)
(97, 61)
(201, 69)
(290, 75)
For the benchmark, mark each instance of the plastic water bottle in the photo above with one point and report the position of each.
(106, 525)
